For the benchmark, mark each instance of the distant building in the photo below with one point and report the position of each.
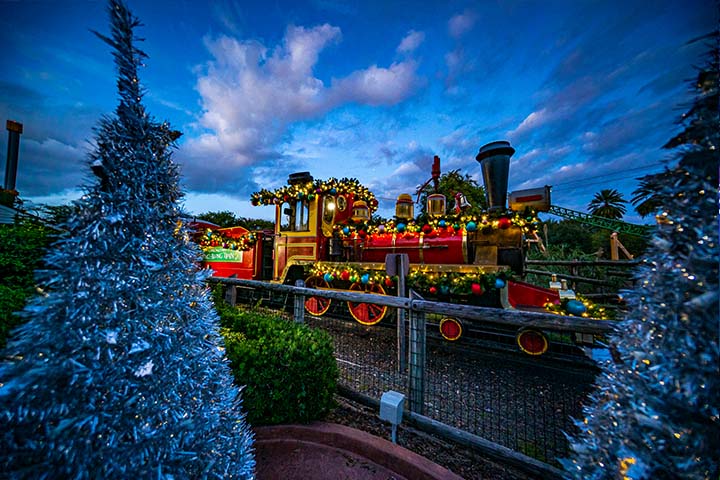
(7, 215)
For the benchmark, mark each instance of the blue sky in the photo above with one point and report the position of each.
(586, 91)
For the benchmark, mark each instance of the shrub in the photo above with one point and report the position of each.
(22, 247)
(11, 300)
(289, 369)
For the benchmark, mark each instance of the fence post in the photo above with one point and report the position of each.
(402, 264)
(416, 362)
(299, 310)
(231, 294)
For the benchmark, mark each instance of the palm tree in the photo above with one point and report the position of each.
(608, 203)
(647, 197)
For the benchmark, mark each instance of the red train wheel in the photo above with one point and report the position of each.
(316, 306)
(532, 342)
(367, 313)
(450, 329)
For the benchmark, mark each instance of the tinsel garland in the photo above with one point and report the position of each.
(119, 371)
(423, 281)
(213, 238)
(589, 308)
(309, 190)
(655, 412)
(449, 225)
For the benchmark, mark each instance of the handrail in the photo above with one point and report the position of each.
(512, 317)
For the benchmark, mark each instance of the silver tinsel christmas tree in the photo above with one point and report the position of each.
(119, 370)
(656, 411)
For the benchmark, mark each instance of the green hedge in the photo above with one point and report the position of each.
(22, 247)
(289, 369)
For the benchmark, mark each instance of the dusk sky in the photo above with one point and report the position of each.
(586, 91)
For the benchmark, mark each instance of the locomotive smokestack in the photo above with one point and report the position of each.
(494, 159)
(14, 130)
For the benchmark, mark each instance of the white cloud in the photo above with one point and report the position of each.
(411, 42)
(378, 86)
(50, 166)
(251, 94)
(532, 122)
(407, 169)
(461, 23)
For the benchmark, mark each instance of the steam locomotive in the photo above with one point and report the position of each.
(325, 234)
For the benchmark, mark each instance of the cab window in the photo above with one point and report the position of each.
(295, 216)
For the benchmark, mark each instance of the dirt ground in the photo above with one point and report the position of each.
(460, 460)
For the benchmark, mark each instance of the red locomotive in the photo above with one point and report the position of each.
(325, 235)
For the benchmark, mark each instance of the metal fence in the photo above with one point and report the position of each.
(525, 404)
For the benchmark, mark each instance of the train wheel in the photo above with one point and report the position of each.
(532, 342)
(450, 329)
(367, 313)
(317, 306)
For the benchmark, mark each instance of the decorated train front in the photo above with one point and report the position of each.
(327, 236)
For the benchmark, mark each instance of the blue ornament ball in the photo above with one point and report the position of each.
(471, 226)
(333, 191)
(401, 227)
(328, 277)
(442, 224)
(499, 283)
(444, 289)
(575, 307)
(346, 230)
(365, 278)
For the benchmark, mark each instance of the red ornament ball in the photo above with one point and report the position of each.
(388, 282)
(426, 228)
(433, 290)
(344, 275)
(476, 289)
(504, 223)
(362, 233)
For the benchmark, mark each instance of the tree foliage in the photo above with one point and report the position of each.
(226, 218)
(451, 183)
(118, 372)
(608, 203)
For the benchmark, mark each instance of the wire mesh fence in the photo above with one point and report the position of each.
(480, 385)
(526, 405)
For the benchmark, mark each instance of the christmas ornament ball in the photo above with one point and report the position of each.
(575, 307)
(504, 223)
